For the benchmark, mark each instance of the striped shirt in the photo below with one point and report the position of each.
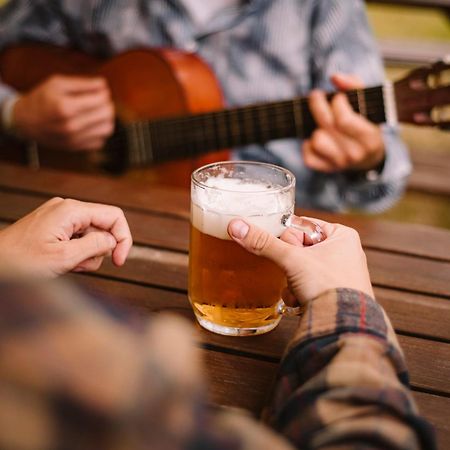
(260, 50)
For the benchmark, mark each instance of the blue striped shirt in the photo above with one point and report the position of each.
(260, 50)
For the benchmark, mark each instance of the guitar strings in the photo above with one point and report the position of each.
(208, 139)
(368, 97)
(238, 124)
(240, 117)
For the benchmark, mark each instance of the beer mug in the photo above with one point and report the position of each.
(232, 291)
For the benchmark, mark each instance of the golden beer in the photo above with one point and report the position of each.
(232, 291)
(230, 287)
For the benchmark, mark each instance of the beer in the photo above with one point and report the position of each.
(231, 290)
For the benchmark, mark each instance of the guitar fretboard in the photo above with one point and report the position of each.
(189, 136)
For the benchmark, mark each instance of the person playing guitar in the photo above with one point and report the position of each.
(259, 50)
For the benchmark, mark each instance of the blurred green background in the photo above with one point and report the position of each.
(408, 31)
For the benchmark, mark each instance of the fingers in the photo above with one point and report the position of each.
(83, 113)
(259, 242)
(314, 160)
(104, 114)
(344, 81)
(94, 129)
(89, 265)
(304, 232)
(81, 216)
(293, 237)
(87, 252)
(86, 121)
(320, 109)
(289, 298)
(344, 139)
(113, 220)
(348, 121)
(85, 102)
(330, 147)
(77, 85)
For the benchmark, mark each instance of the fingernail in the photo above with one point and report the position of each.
(239, 229)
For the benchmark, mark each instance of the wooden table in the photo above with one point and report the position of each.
(409, 265)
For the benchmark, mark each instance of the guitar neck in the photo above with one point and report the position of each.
(190, 136)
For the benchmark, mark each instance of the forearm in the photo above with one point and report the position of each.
(344, 381)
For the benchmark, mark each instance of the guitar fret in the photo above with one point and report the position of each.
(148, 150)
(192, 135)
(222, 130)
(132, 144)
(235, 128)
(362, 107)
(247, 121)
(140, 132)
(279, 119)
(298, 116)
(264, 120)
(210, 132)
(137, 148)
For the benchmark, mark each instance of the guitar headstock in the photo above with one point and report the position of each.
(423, 96)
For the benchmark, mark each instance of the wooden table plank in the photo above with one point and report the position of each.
(409, 273)
(411, 239)
(119, 191)
(138, 198)
(428, 363)
(417, 314)
(227, 374)
(160, 231)
(420, 353)
(250, 380)
(163, 268)
(409, 266)
(405, 310)
(436, 410)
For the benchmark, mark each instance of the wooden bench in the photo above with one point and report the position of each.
(431, 173)
(444, 4)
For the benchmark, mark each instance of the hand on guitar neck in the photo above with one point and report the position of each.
(164, 118)
(344, 140)
(77, 114)
(73, 113)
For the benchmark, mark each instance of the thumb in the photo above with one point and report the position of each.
(258, 241)
(344, 82)
(95, 243)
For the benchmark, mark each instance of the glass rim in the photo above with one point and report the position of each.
(198, 183)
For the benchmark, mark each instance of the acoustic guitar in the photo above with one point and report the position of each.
(170, 113)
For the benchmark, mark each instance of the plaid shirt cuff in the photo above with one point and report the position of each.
(343, 380)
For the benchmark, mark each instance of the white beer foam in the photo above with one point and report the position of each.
(258, 203)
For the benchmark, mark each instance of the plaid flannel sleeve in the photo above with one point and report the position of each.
(77, 374)
(343, 382)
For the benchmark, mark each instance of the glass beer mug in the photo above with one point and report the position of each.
(232, 291)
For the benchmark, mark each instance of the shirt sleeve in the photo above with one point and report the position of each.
(342, 41)
(343, 380)
(28, 21)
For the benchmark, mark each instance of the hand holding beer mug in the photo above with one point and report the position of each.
(232, 291)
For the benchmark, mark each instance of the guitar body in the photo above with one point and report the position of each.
(151, 87)
(145, 84)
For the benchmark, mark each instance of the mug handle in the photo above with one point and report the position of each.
(313, 234)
